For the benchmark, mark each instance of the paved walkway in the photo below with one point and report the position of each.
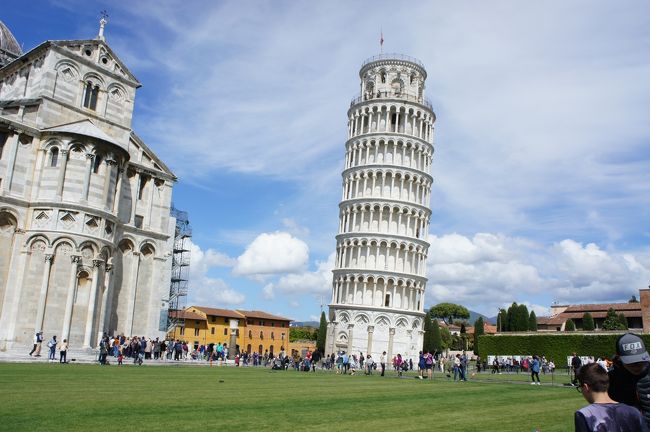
(16, 355)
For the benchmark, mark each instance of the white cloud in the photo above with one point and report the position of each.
(273, 253)
(206, 290)
(317, 283)
(490, 271)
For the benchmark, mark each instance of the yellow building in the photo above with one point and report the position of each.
(256, 331)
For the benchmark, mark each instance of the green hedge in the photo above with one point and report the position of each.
(553, 346)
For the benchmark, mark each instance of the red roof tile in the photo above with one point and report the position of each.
(227, 313)
(262, 315)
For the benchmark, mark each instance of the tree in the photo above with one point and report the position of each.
(612, 322)
(570, 326)
(427, 343)
(445, 335)
(511, 317)
(623, 321)
(436, 336)
(448, 312)
(463, 329)
(588, 322)
(302, 333)
(521, 318)
(502, 320)
(633, 299)
(479, 329)
(532, 321)
(322, 333)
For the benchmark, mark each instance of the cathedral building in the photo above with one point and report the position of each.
(85, 228)
(380, 270)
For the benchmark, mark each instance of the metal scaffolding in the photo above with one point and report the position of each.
(180, 269)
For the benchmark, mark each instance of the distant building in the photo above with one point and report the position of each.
(562, 313)
(254, 331)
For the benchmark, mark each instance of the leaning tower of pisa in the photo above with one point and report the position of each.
(380, 271)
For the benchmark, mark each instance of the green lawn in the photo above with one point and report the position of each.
(38, 397)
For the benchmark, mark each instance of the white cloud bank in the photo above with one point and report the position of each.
(317, 283)
(273, 253)
(208, 291)
(488, 271)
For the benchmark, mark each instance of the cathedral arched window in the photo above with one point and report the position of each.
(54, 156)
(97, 163)
(91, 93)
(383, 77)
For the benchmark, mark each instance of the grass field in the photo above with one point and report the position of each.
(38, 397)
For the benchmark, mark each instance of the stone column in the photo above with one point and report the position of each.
(61, 179)
(391, 335)
(107, 182)
(371, 330)
(92, 301)
(152, 190)
(117, 195)
(11, 162)
(40, 309)
(72, 288)
(232, 346)
(135, 268)
(107, 300)
(134, 195)
(11, 301)
(332, 326)
(350, 337)
(90, 159)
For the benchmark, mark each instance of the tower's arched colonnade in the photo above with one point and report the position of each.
(379, 277)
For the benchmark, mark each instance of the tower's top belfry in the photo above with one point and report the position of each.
(393, 76)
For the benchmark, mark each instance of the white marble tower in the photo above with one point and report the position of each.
(379, 276)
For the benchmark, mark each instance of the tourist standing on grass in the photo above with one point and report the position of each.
(63, 351)
(604, 414)
(428, 364)
(38, 341)
(398, 364)
(382, 362)
(629, 382)
(575, 365)
(456, 367)
(534, 370)
(421, 365)
(464, 361)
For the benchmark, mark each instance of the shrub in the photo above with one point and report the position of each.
(555, 346)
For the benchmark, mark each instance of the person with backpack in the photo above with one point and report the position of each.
(575, 365)
(38, 341)
(52, 346)
(428, 364)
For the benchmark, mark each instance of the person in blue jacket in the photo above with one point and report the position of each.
(534, 370)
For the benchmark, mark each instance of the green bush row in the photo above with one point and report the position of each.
(554, 346)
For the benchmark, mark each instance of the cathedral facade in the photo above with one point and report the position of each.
(85, 228)
(379, 277)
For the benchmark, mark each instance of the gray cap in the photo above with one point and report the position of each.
(631, 349)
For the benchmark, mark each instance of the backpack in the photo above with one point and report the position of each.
(429, 360)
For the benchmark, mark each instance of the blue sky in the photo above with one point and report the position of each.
(542, 166)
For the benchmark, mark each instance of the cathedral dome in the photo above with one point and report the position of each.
(8, 41)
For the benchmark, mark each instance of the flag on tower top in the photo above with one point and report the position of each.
(381, 39)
